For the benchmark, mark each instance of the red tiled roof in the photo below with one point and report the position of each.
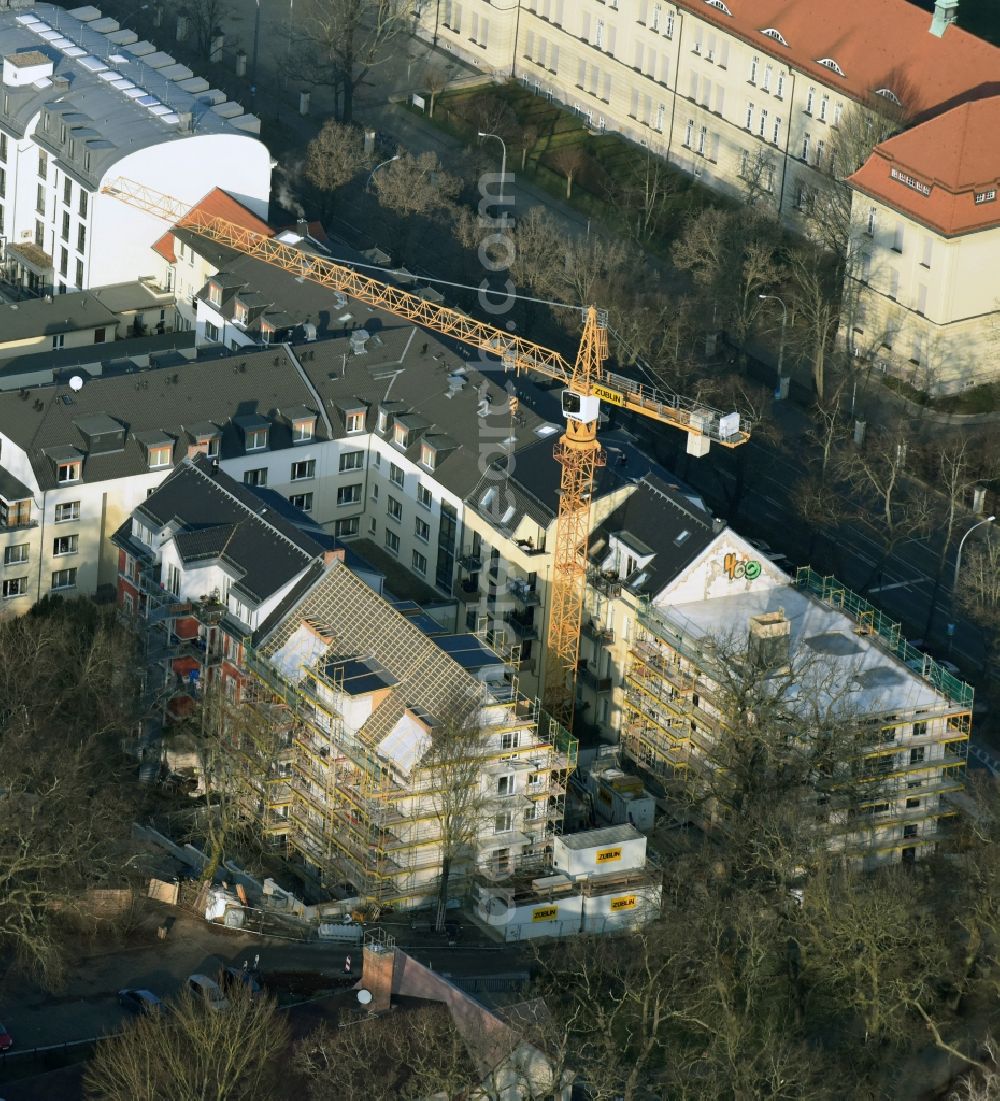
(877, 43)
(218, 204)
(954, 156)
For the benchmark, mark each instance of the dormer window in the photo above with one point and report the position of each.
(829, 63)
(355, 422)
(69, 472)
(384, 417)
(240, 312)
(400, 436)
(256, 439)
(721, 7)
(775, 34)
(889, 94)
(160, 456)
(214, 293)
(303, 429)
(266, 332)
(428, 456)
(209, 445)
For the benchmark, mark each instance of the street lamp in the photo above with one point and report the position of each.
(781, 344)
(371, 175)
(503, 159)
(958, 556)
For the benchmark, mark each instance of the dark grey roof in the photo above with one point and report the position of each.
(359, 676)
(12, 489)
(110, 125)
(225, 391)
(654, 520)
(59, 313)
(218, 517)
(115, 356)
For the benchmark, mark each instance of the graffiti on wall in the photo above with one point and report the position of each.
(738, 569)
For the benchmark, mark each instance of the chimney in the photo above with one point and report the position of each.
(770, 644)
(378, 974)
(338, 554)
(302, 227)
(185, 120)
(945, 13)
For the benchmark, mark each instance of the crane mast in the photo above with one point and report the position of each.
(578, 450)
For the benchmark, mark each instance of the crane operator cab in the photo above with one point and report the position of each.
(584, 408)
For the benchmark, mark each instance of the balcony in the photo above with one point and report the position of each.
(592, 680)
(467, 591)
(472, 563)
(608, 584)
(603, 636)
(524, 628)
(526, 596)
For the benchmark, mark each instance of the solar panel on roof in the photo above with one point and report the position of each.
(147, 100)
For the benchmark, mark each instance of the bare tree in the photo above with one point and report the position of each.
(757, 177)
(569, 161)
(344, 40)
(460, 804)
(417, 1055)
(436, 79)
(333, 158)
(815, 294)
(207, 18)
(643, 196)
(416, 184)
(194, 1053)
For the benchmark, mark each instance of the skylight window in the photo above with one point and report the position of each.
(829, 63)
(775, 34)
(889, 94)
(682, 538)
(722, 7)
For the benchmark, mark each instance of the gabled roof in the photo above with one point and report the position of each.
(217, 518)
(217, 204)
(935, 171)
(877, 44)
(658, 519)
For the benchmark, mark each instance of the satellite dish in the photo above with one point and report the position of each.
(364, 997)
(76, 384)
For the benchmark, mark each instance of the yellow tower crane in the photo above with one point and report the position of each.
(587, 384)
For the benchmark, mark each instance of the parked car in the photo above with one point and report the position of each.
(201, 986)
(6, 1040)
(230, 977)
(139, 1001)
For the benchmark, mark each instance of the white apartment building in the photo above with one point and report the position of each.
(84, 102)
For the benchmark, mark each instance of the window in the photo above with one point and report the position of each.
(40, 234)
(58, 340)
(749, 116)
(68, 472)
(599, 34)
(427, 455)
(810, 97)
(702, 136)
(657, 15)
(160, 456)
(349, 495)
(65, 226)
(303, 501)
(820, 152)
(256, 439)
(40, 199)
(391, 542)
(925, 260)
(510, 740)
(68, 511)
(754, 65)
(779, 90)
(303, 429)
(424, 496)
(396, 475)
(419, 563)
(256, 477)
(689, 134)
(43, 164)
(768, 74)
(870, 222)
(805, 147)
(986, 196)
(63, 261)
(16, 555)
(838, 111)
(79, 283)
(912, 802)
(211, 331)
(214, 293)
(503, 823)
(3, 147)
(303, 470)
(355, 422)
(763, 122)
(824, 106)
(352, 460)
(423, 530)
(240, 313)
(84, 200)
(395, 509)
(14, 586)
(897, 237)
(776, 132)
(669, 29)
(347, 529)
(64, 579)
(917, 755)
(505, 785)
(67, 191)
(65, 544)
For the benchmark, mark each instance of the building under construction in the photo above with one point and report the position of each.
(848, 660)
